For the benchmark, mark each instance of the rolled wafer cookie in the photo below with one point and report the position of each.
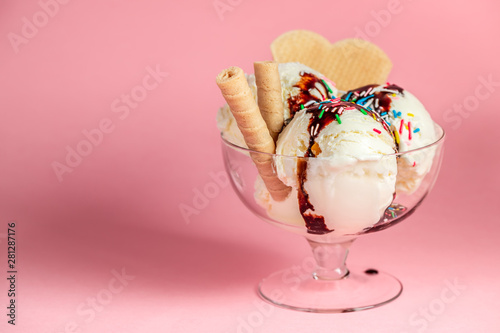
(267, 78)
(237, 93)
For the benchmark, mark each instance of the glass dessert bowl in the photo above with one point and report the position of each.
(331, 203)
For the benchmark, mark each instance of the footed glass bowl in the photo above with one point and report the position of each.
(331, 202)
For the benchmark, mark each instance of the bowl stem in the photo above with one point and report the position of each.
(330, 259)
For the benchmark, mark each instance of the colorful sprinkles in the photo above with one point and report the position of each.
(327, 87)
(338, 119)
(362, 100)
(396, 136)
(323, 107)
(356, 95)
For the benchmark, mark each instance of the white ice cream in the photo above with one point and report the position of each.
(414, 129)
(350, 184)
(412, 167)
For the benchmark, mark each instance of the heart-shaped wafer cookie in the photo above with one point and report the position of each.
(350, 63)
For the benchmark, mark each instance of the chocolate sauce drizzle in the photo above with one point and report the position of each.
(308, 83)
(379, 101)
(322, 114)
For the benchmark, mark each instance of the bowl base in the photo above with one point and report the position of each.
(361, 289)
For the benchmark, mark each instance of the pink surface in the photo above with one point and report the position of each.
(117, 210)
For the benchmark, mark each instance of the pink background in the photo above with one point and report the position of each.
(120, 206)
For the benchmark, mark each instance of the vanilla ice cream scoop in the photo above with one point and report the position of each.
(411, 124)
(351, 180)
(300, 85)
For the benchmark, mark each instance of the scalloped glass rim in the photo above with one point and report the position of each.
(435, 143)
